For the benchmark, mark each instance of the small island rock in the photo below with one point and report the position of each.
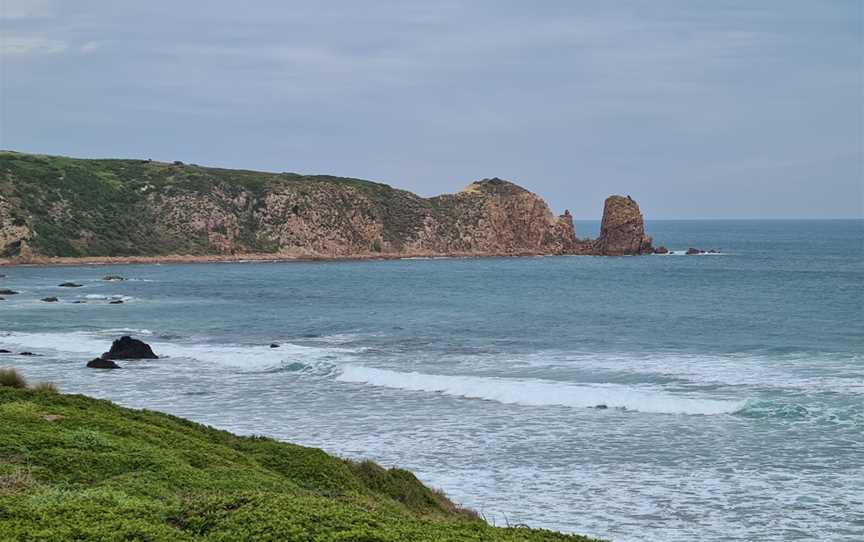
(50, 299)
(661, 250)
(7, 291)
(691, 251)
(69, 285)
(128, 348)
(113, 278)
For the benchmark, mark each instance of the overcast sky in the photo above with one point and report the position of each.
(698, 109)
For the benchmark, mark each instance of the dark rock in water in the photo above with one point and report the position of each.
(601, 407)
(116, 302)
(102, 363)
(27, 354)
(274, 345)
(691, 251)
(69, 285)
(4, 351)
(51, 299)
(6, 291)
(128, 348)
(2, 299)
(2, 276)
(78, 301)
(713, 251)
(113, 278)
(661, 250)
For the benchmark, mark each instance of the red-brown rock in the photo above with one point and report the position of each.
(622, 231)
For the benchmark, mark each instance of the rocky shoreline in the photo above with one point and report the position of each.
(247, 258)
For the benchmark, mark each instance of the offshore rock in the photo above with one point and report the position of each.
(102, 363)
(622, 230)
(128, 348)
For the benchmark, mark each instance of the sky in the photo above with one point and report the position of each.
(695, 108)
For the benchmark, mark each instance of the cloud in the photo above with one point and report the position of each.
(30, 45)
(27, 9)
(90, 46)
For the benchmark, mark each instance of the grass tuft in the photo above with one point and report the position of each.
(17, 481)
(12, 378)
(46, 387)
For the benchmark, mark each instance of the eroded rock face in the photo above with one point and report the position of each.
(14, 232)
(622, 231)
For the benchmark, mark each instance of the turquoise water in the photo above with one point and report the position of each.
(734, 383)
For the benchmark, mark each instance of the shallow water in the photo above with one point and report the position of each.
(733, 383)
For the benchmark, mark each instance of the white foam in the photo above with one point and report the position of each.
(534, 392)
(107, 297)
(233, 355)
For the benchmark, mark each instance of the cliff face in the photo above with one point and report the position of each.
(54, 206)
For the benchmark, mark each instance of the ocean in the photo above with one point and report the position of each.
(668, 398)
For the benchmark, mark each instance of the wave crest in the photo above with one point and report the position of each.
(540, 392)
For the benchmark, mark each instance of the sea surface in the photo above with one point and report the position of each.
(730, 386)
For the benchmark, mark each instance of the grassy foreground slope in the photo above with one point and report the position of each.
(77, 468)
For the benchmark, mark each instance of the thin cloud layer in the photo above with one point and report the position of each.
(705, 110)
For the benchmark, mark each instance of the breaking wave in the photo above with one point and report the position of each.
(532, 392)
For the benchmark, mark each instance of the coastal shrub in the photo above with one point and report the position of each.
(12, 378)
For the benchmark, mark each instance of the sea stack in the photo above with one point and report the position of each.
(622, 230)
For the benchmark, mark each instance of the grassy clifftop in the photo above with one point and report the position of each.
(77, 468)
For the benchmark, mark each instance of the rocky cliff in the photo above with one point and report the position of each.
(57, 206)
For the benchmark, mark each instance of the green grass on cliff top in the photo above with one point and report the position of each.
(77, 468)
(99, 207)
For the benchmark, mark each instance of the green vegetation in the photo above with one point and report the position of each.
(81, 207)
(77, 468)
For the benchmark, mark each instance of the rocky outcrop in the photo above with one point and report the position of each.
(102, 363)
(128, 348)
(179, 209)
(15, 232)
(622, 230)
